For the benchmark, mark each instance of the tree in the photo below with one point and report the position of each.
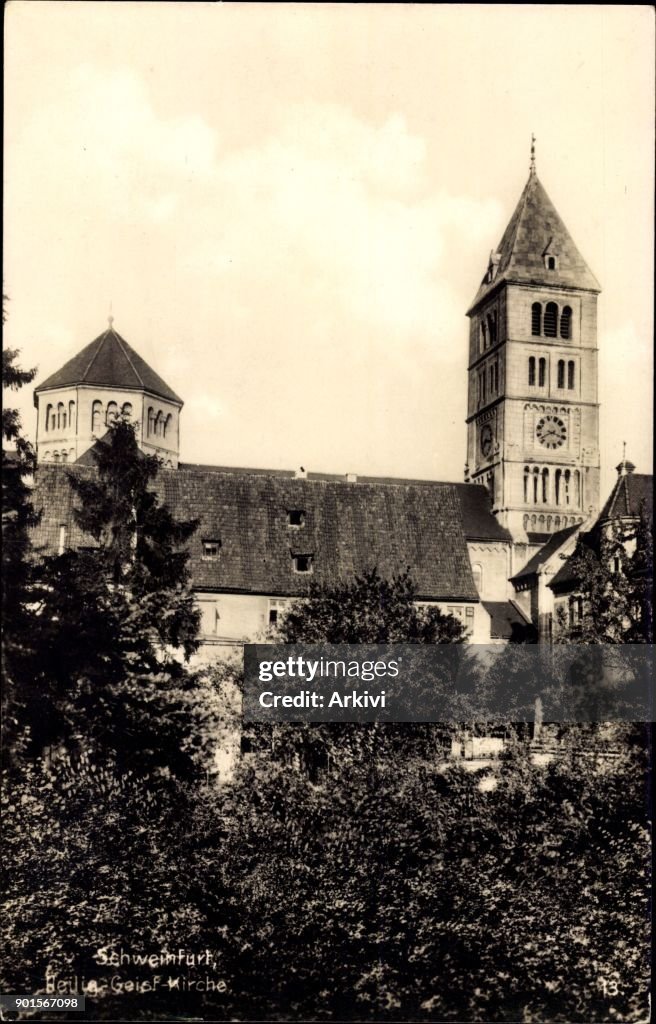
(614, 577)
(368, 610)
(18, 516)
(117, 620)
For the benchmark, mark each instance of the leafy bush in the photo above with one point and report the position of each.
(392, 891)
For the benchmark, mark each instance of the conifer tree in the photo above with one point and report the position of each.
(118, 621)
(18, 516)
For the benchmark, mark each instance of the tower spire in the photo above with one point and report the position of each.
(532, 153)
(625, 467)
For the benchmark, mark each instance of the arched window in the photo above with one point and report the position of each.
(536, 319)
(126, 411)
(556, 521)
(559, 474)
(71, 455)
(566, 487)
(566, 322)
(46, 457)
(492, 327)
(526, 522)
(158, 424)
(112, 413)
(55, 456)
(64, 456)
(551, 262)
(61, 416)
(483, 341)
(477, 570)
(536, 485)
(542, 373)
(531, 371)
(48, 416)
(151, 421)
(527, 473)
(561, 373)
(551, 320)
(545, 486)
(71, 415)
(167, 424)
(570, 374)
(96, 416)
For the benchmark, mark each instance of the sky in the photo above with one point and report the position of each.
(288, 209)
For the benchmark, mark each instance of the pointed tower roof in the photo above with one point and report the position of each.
(110, 362)
(632, 492)
(536, 231)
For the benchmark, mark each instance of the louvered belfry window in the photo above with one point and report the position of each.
(536, 319)
(551, 320)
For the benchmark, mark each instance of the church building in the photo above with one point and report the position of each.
(484, 550)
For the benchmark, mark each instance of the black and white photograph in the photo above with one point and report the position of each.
(327, 512)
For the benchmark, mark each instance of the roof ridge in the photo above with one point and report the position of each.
(95, 354)
(521, 206)
(123, 346)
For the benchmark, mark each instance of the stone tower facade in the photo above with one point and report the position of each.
(533, 411)
(105, 380)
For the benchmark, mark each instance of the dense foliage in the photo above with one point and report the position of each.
(367, 610)
(406, 894)
(614, 574)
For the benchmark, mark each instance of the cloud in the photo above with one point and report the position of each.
(101, 149)
(342, 213)
(316, 262)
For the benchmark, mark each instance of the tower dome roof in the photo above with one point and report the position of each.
(534, 233)
(109, 361)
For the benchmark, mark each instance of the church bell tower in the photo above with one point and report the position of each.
(533, 411)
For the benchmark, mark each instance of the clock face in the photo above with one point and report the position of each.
(551, 432)
(486, 439)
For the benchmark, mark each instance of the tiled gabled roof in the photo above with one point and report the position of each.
(535, 230)
(555, 541)
(348, 528)
(109, 361)
(478, 521)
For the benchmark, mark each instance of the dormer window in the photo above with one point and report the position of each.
(551, 262)
(211, 550)
(302, 563)
(296, 517)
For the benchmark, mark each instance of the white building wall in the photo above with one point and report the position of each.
(229, 620)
